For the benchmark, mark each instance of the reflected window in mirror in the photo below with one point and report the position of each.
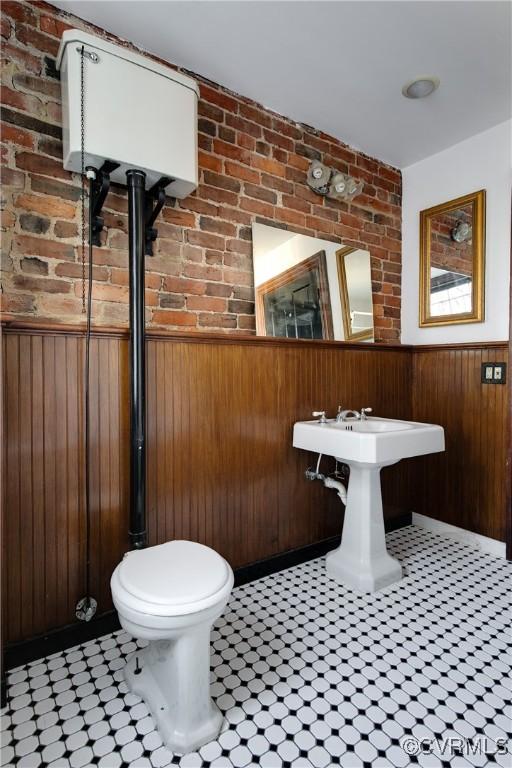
(452, 250)
(298, 288)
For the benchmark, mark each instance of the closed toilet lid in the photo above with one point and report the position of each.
(173, 574)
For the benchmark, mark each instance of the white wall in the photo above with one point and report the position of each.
(481, 162)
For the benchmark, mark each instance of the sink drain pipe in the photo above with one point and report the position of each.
(328, 480)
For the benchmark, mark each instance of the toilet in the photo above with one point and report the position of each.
(170, 595)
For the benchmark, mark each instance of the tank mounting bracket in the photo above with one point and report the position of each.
(155, 199)
(100, 187)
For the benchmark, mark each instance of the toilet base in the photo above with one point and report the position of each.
(172, 678)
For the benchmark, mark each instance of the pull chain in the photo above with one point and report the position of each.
(84, 182)
(86, 606)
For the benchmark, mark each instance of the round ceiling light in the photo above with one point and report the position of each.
(420, 87)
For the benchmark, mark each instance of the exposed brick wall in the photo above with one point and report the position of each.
(253, 166)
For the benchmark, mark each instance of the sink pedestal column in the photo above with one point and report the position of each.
(362, 561)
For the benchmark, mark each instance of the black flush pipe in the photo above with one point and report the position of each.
(136, 227)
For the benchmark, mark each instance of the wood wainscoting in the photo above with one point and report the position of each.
(220, 464)
(466, 486)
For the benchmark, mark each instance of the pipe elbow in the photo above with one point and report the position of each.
(329, 482)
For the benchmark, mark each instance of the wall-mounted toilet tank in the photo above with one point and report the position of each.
(138, 113)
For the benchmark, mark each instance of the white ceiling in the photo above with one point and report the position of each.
(338, 66)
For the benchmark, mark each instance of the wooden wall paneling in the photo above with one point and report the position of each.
(466, 485)
(221, 467)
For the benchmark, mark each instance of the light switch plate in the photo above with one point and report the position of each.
(494, 373)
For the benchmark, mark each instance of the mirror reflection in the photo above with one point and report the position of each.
(354, 272)
(452, 252)
(451, 262)
(308, 288)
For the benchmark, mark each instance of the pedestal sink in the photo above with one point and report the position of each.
(362, 561)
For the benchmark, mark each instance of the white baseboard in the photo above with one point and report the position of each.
(483, 543)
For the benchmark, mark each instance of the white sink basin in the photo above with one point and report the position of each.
(373, 441)
(362, 561)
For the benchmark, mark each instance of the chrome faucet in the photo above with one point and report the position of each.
(350, 415)
(347, 415)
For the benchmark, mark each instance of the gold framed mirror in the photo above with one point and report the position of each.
(452, 261)
(355, 279)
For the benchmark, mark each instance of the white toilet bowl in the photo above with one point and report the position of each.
(170, 595)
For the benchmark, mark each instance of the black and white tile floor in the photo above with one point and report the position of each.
(307, 673)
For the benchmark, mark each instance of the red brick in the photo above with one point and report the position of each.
(5, 27)
(182, 285)
(17, 303)
(286, 128)
(24, 58)
(246, 142)
(219, 98)
(38, 246)
(206, 304)
(237, 277)
(217, 226)
(192, 253)
(193, 203)
(217, 320)
(50, 206)
(269, 166)
(242, 172)
(256, 115)
(255, 206)
(292, 217)
(223, 182)
(168, 248)
(172, 317)
(210, 161)
(46, 166)
(17, 135)
(244, 126)
(178, 217)
(297, 203)
(75, 270)
(232, 152)
(247, 323)
(19, 11)
(12, 178)
(26, 82)
(41, 284)
(205, 239)
(202, 272)
(29, 36)
(219, 289)
(19, 100)
(49, 146)
(53, 26)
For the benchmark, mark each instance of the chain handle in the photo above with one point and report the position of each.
(82, 153)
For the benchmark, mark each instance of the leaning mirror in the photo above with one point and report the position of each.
(452, 255)
(354, 274)
(302, 292)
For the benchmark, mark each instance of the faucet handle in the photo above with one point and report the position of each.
(364, 412)
(320, 415)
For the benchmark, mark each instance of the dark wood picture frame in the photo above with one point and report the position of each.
(316, 262)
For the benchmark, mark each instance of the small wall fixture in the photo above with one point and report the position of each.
(420, 87)
(462, 232)
(331, 183)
